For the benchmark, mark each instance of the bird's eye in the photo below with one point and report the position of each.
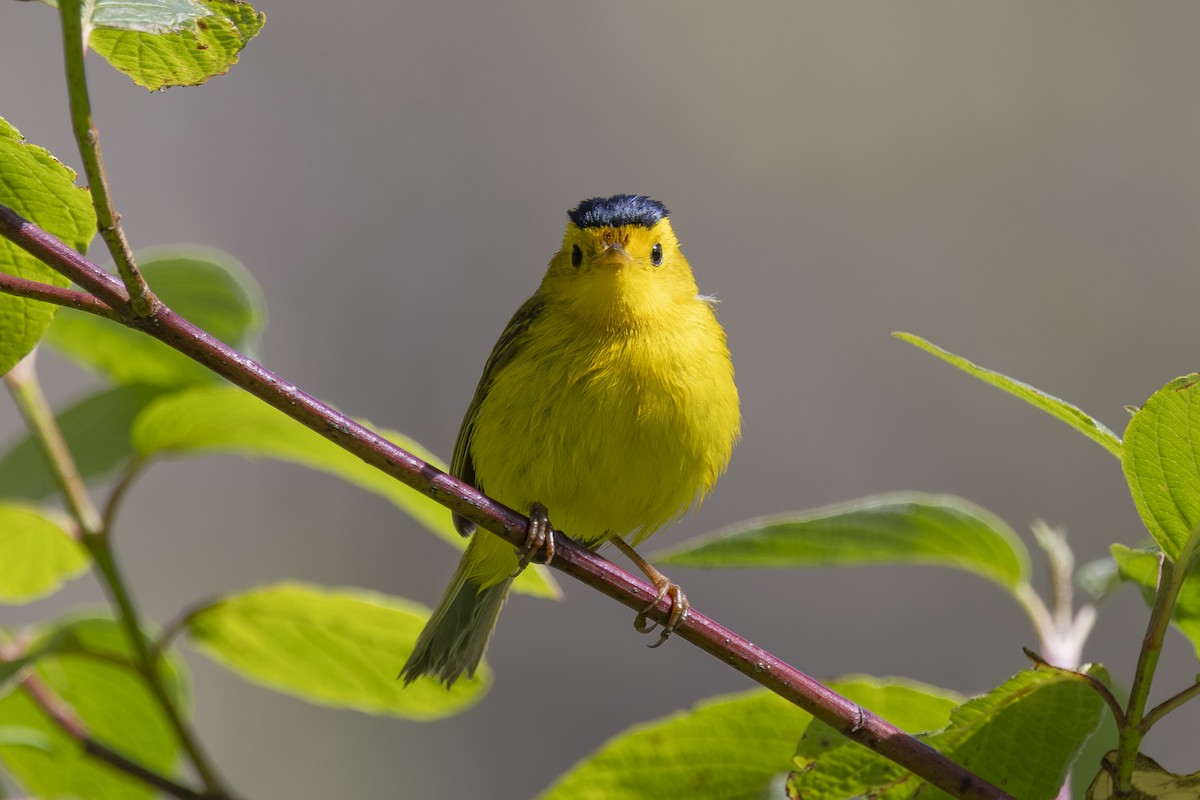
(656, 255)
(576, 256)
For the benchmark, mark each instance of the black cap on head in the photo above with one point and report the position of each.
(618, 210)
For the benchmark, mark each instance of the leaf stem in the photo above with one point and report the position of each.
(848, 718)
(27, 393)
(120, 488)
(1169, 705)
(1170, 582)
(44, 697)
(176, 626)
(87, 137)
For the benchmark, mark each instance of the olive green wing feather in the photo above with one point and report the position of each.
(462, 466)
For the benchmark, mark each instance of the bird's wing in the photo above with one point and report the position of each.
(462, 466)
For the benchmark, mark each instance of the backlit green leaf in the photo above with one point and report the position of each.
(896, 528)
(1162, 463)
(36, 555)
(1059, 409)
(338, 648)
(729, 746)
(113, 704)
(39, 188)
(231, 421)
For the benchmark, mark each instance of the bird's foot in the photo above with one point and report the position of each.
(679, 602)
(679, 611)
(538, 538)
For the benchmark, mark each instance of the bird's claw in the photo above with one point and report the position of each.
(539, 537)
(679, 611)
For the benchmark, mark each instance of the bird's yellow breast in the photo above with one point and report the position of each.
(616, 432)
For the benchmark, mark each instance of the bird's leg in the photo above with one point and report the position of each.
(540, 536)
(679, 601)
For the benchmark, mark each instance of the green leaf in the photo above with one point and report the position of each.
(728, 747)
(1140, 567)
(1150, 781)
(36, 555)
(895, 528)
(1025, 734)
(231, 421)
(184, 55)
(97, 431)
(338, 648)
(1059, 409)
(1162, 463)
(1022, 736)
(207, 287)
(111, 701)
(42, 190)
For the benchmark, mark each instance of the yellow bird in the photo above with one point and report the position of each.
(608, 400)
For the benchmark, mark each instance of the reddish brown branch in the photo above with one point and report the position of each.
(756, 663)
(60, 257)
(20, 287)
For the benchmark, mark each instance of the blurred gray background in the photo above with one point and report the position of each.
(1019, 182)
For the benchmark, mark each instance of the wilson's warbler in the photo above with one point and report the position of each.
(608, 400)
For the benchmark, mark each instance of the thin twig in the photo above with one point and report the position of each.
(1169, 705)
(74, 727)
(120, 488)
(783, 679)
(87, 137)
(81, 301)
(168, 632)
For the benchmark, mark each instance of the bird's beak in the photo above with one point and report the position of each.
(613, 254)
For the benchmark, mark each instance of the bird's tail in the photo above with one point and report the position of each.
(459, 629)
